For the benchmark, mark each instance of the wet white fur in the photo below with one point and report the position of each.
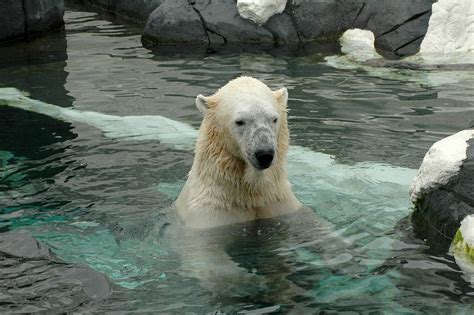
(215, 194)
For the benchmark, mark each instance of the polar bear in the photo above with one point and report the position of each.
(239, 171)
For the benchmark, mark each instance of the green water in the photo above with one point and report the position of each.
(104, 201)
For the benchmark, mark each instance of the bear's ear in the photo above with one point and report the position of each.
(202, 103)
(282, 96)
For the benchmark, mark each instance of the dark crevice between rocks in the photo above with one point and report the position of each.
(395, 27)
(358, 14)
(207, 30)
(27, 36)
(409, 43)
(289, 9)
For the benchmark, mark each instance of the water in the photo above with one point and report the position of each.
(103, 201)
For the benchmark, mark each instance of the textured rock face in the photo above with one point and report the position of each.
(161, 27)
(22, 20)
(213, 23)
(32, 279)
(443, 191)
(451, 28)
(12, 23)
(399, 26)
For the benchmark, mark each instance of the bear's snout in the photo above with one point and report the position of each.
(264, 158)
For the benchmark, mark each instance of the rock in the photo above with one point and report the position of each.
(358, 45)
(22, 20)
(443, 189)
(44, 15)
(451, 27)
(222, 18)
(260, 11)
(12, 23)
(174, 22)
(283, 30)
(316, 20)
(397, 25)
(32, 279)
(214, 23)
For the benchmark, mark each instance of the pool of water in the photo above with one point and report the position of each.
(358, 138)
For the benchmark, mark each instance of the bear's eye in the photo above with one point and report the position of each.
(239, 122)
(275, 120)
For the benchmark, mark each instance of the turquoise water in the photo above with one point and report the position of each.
(358, 138)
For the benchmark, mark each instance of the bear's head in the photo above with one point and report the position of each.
(246, 120)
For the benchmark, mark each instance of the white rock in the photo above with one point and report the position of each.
(358, 44)
(442, 162)
(260, 11)
(451, 27)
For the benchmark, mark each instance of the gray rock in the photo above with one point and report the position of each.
(322, 20)
(396, 24)
(43, 16)
(12, 21)
(174, 22)
(399, 26)
(440, 210)
(22, 20)
(223, 19)
(283, 30)
(32, 279)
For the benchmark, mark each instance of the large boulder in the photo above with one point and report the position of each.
(174, 22)
(204, 22)
(23, 20)
(443, 190)
(398, 26)
(32, 279)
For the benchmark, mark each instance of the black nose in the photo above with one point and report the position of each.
(264, 158)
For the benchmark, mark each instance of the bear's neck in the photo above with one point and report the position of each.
(225, 181)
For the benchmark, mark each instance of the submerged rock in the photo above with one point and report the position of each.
(33, 279)
(443, 189)
(22, 20)
(398, 27)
